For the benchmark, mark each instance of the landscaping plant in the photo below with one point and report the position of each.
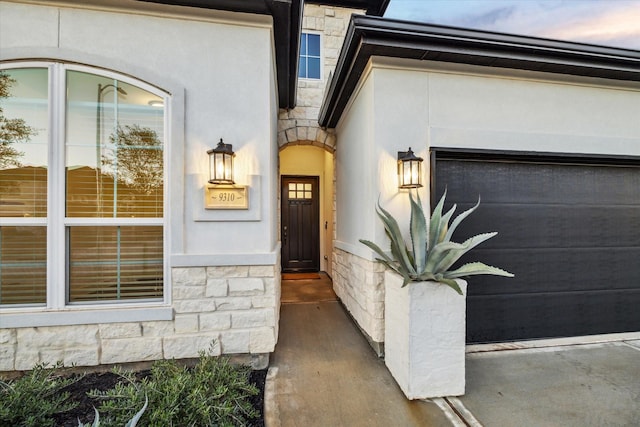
(431, 253)
(214, 392)
(33, 399)
(133, 422)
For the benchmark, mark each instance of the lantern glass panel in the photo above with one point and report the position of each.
(409, 173)
(221, 168)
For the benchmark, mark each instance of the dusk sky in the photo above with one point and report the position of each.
(603, 22)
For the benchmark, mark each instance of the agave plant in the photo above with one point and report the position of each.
(133, 422)
(432, 252)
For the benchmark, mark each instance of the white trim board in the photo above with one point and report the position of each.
(85, 316)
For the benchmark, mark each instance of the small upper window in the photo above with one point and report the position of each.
(309, 64)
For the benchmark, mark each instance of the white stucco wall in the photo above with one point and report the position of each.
(355, 168)
(396, 107)
(222, 62)
(219, 70)
(410, 103)
(357, 280)
(475, 107)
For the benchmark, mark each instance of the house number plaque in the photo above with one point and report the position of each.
(226, 197)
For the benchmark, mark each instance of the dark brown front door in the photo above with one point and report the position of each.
(300, 224)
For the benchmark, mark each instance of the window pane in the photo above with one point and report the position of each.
(115, 263)
(313, 45)
(302, 68)
(114, 157)
(23, 142)
(313, 71)
(303, 44)
(23, 265)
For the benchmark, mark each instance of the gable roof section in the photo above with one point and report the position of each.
(371, 36)
(287, 21)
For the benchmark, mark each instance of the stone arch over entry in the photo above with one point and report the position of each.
(305, 132)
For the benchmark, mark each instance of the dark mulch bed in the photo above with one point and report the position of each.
(107, 380)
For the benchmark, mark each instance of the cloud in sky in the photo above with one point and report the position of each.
(604, 22)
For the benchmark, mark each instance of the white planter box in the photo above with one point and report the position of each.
(425, 337)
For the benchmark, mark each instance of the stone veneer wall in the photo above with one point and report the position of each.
(300, 125)
(237, 307)
(359, 283)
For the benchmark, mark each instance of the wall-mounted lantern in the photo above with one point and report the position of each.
(222, 192)
(221, 164)
(409, 170)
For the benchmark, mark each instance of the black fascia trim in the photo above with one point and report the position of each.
(372, 7)
(297, 11)
(287, 22)
(484, 155)
(372, 36)
(378, 9)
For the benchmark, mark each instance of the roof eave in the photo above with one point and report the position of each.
(370, 36)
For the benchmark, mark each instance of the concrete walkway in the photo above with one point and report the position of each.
(323, 373)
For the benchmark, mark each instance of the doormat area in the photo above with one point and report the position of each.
(308, 291)
(300, 276)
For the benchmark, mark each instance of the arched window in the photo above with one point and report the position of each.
(82, 170)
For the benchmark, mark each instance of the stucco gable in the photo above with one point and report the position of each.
(372, 36)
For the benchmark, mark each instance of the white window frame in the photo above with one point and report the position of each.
(57, 311)
(318, 33)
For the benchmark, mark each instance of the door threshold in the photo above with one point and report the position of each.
(301, 276)
(551, 342)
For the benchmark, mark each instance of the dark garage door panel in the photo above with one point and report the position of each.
(539, 182)
(557, 225)
(494, 318)
(570, 233)
(556, 270)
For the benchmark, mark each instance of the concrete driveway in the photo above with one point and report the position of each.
(577, 385)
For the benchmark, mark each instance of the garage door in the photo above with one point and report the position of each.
(569, 229)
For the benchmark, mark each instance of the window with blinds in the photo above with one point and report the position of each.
(112, 263)
(24, 130)
(99, 183)
(23, 265)
(114, 161)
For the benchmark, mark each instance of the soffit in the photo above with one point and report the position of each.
(372, 36)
